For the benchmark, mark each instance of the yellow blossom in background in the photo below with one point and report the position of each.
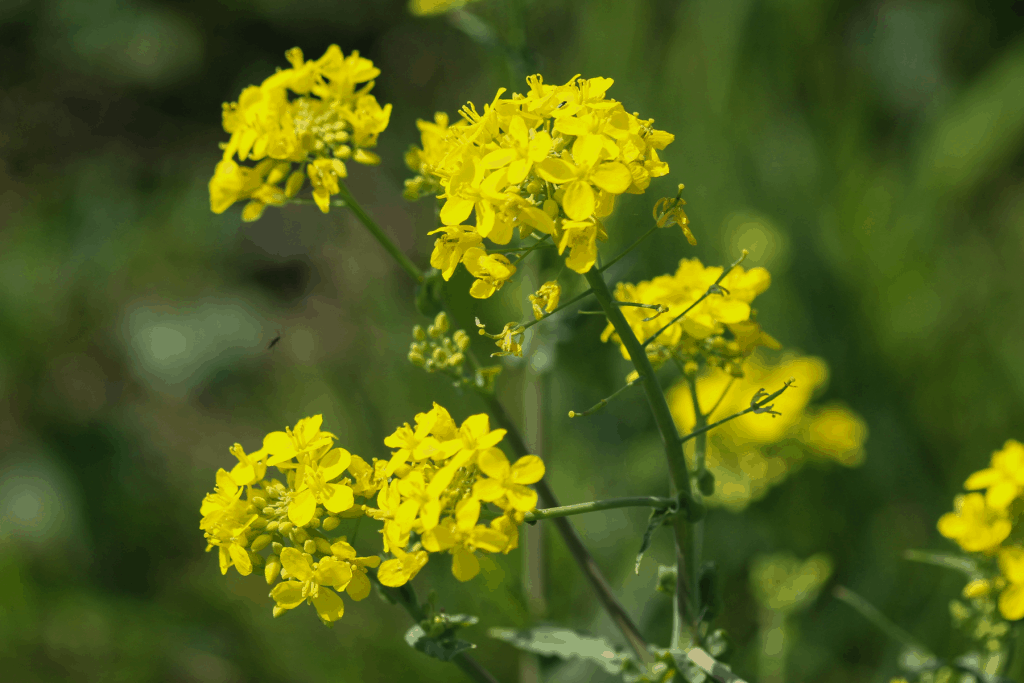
(754, 452)
(550, 161)
(427, 498)
(1011, 566)
(718, 327)
(301, 123)
(974, 525)
(429, 7)
(1004, 480)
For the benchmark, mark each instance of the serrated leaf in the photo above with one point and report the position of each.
(658, 517)
(439, 648)
(958, 563)
(550, 641)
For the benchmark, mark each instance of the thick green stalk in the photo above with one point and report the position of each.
(673, 445)
(407, 265)
(596, 505)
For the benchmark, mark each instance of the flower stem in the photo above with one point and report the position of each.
(568, 303)
(597, 505)
(572, 540)
(628, 249)
(673, 445)
(407, 265)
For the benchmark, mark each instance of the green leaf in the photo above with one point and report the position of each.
(959, 563)
(550, 641)
(658, 517)
(444, 648)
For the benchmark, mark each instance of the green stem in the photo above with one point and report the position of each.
(406, 597)
(697, 529)
(673, 445)
(754, 407)
(375, 230)
(1015, 665)
(597, 505)
(882, 622)
(538, 245)
(628, 249)
(527, 325)
(619, 616)
(602, 403)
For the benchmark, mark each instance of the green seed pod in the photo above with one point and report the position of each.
(260, 542)
(272, 570)
(309, 546)
(331, 523)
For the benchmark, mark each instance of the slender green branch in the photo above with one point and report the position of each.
(375, 230)
(619, 616)
(732, 380)
(600, 404)
(875, 616)
(713, 289)
(527, 325)
(673, 445)
(759, 405)
(628, 249)
(597, 505)
(697, 529)
(538, 245)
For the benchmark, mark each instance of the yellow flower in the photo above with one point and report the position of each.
(508, 482)
(314, 485)
(450, 249)
(302, 443)
(226, 522)
(580, 172)
(417, 503)
(1011, 600)
(422, 442)
(359, 587)
(1004, 480)
(546, 299)
(308, 582)
(491, 270)
(973, 524)
(462, 541)
(403, 568)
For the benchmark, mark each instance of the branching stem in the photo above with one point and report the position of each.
(596, 505)
(407, 265)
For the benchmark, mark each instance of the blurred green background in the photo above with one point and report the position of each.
(868, 153)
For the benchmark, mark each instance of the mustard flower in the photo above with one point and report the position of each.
(309, 582)
(509, 481)
(974, 525)
(545, 300)
(1004, 480)
(1011, 600)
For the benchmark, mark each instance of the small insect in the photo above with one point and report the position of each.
(273, 342)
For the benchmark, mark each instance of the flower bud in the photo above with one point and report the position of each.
(323, 545)
(268, 511)
(272, 570)
(256, 559)
(441, 322)
(439, 356)
(261, 542)
(535, 187)
(273, 526)
(314, 523)
(417, 359)
(331, 523)
(461, 339)
(276, 547)
(259, 501)
(309, 546)
(418, 334)
(259, 523)
(285, 527)
(706, 483)
(299, 536)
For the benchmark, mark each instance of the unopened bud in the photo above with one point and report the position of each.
(417, 359)
(309, 546)
(461, 339)
(331, 523)
(314, 523)
(259, 502)
(323, 545)
(418, 334)
(276, 547)
(690, 368)
(260, 542)
(259, 523)
(256, 559)
(273, 526)
(706, 483)
(439, 356)
(267, 510)
(535, 187)
(441, 322)
(273, 569)
(285, 527)
(299, 536)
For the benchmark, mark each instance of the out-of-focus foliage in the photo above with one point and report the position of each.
(867, 153)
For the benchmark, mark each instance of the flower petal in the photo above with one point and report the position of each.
(296, 564)
(464, 564)
(288, 594)
(359, 587)
(579, 201)
(329, 605)
(302, 507)
(528, 469)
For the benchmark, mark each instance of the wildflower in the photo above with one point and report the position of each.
(1004, 480)
(975, 525)
(509, 482)
(315, 114)
(462, 543)
(491, 271)
(1011, 600)
(403, 568)
(359, 587)
(308, 582)
(509, 340)
(314, 485)
(545, 301)
(225, 523)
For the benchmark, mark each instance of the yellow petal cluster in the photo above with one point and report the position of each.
(752, 453)
(552, 160)
(989, 524)
(301, 123)
(428, 496)
(718, 328)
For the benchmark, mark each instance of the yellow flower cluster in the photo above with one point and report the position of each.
(719, 329)
(752, 453)
(316, 114)
(552, 160)
(985, 524)
(428, 496)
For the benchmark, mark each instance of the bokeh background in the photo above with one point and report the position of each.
(868, 153)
